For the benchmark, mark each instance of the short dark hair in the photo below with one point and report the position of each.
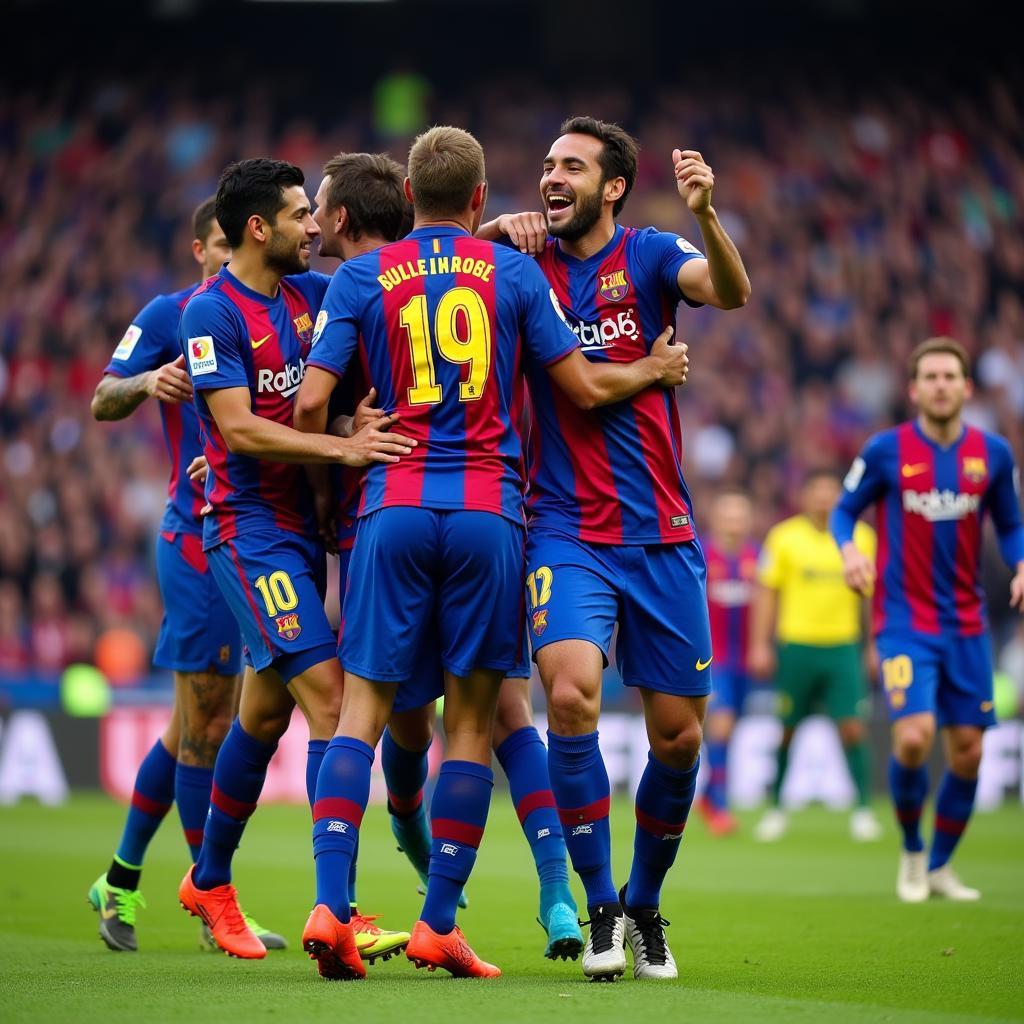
(942, 344)
(371, 187)
(618, 153)
(445, 166)
(252, 186)
(203, 218)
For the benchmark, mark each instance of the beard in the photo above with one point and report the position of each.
(284, 257)
(585, 216)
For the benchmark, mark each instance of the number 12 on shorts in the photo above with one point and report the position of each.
(539, 585)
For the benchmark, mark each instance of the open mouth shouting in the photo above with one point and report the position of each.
(559, 206)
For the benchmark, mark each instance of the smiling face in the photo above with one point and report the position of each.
(571, 187)
(940, 387)
(291, 236)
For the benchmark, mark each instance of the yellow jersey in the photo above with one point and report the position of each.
(804, 565)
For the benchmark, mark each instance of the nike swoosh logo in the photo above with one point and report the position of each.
(107, 914)
(701, 665)
(915, 469)
(256, 344)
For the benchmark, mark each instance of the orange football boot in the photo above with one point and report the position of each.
(428, 949)
(218, 909)
(332, 944)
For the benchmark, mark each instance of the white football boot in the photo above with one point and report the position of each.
(944, 882)
(772, 826)
(864, 826)
(912, 880)
(604, 956)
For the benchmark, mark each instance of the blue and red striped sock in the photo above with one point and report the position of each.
(524, 758)
(342, 792)
(663, 801)
(579, 781)
(909, 789)
(151, 800)
(314, 758)
(238, 777)
(716, 792)
(954, 802)
(405, 774)
(458, 814)
(192, 787)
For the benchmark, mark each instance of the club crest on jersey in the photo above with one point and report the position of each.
(540, 621)
(288, 627)
(224, 654)
(614, 286)
(974, 468)
(304, 328)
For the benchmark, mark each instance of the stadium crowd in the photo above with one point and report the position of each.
(867, 225)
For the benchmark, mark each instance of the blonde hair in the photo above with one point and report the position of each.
(445, 166)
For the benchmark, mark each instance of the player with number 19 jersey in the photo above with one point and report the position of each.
(442, 324)
(610, 518)
(260, 535)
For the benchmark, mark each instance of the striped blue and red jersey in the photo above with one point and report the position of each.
(931, 502)
(442, 324)
(731, 579)
(235, 337)
(150, 341)
(613, 475)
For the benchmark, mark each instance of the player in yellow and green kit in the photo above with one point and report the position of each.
(805, 629)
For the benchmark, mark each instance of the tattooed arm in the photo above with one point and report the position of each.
(118, 397)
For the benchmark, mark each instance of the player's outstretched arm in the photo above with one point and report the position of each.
(721, 280)
(589, 385)
(117, 397)
(248, 434)
(528, 232)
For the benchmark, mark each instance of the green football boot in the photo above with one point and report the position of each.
(117, 909)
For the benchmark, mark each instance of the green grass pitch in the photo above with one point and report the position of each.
(806, 930)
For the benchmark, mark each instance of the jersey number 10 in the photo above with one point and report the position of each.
(475, 350)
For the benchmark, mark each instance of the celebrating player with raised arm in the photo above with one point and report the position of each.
(611, 532)
(199, 638)
(246, 335)
(933, 480)
(443, 323)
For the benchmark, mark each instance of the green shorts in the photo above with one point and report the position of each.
(827, 677)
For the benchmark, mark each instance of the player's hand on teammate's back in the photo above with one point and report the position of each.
(198, 469)
(858, 570)
(694, 179)
(526, 231)
(375, 443)
(675, 362)
(366, 413)
(170, 383)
